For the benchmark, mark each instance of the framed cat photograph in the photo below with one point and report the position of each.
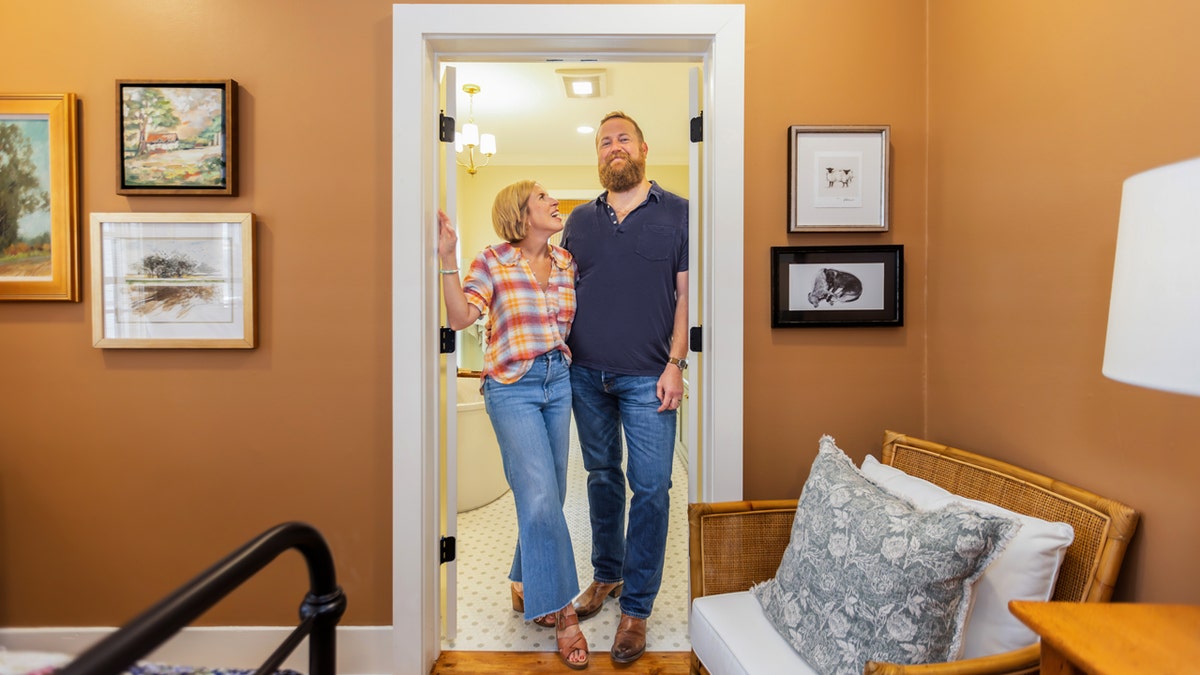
(814, 286)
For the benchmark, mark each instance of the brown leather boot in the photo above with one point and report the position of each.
(630, 642)
(592, 599)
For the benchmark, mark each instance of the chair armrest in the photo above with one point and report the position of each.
(1018, 661)
(734, 545)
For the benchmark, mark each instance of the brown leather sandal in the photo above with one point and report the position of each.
(518, 603)
(569, 644)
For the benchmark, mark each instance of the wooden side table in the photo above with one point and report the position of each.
(1101, 638)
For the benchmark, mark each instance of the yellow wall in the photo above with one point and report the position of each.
(123, 473)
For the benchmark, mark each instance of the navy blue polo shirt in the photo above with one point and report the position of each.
(626, 282)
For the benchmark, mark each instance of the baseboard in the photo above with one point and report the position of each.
(361, 650)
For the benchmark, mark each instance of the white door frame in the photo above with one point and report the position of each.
(422, 33)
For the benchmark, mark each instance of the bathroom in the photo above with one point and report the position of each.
(566, 167)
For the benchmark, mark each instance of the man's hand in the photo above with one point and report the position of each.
(670, 388)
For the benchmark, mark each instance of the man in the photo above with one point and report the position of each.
(628, 347)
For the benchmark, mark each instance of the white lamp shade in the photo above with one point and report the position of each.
(470, 134)
(487, 144)
(458, 141)
(1154, 314)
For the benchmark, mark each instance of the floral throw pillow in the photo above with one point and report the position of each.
(869, 577)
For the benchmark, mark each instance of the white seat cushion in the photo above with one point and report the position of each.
(731, 636)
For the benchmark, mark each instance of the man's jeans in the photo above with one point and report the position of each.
(604, 405)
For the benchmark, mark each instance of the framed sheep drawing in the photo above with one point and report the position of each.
(838, 178)
(176, 137)
(814, 286)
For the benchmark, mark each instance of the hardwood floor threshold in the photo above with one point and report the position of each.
(509, 663)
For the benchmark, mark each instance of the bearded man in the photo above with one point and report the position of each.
(629, 349)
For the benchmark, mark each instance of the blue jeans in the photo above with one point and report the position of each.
(532, 419)
(605, 404)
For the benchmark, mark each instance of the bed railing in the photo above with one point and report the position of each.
(320, 611)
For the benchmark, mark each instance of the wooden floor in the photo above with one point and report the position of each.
(509, 663)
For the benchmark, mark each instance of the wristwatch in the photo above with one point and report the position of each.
(682, 363)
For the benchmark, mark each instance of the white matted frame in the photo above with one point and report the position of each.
(838, 178)
(173, 280)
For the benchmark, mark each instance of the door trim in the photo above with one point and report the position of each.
(420, 34)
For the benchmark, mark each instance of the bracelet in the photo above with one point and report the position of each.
(453, 271)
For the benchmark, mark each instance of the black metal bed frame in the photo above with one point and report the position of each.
(320, 611)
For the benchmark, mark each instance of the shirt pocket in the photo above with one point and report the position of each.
(566, 305)
(655, 242)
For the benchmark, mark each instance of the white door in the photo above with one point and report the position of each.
(420, 34)
(690, 419)
(449, 364)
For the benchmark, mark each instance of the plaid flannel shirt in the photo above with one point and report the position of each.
(523, 321)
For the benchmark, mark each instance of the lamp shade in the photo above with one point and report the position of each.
(470, 134)
(1154, 312)
(487, 144)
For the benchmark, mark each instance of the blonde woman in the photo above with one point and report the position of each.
(525, 287)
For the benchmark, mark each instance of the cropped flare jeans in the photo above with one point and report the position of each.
(532, 419)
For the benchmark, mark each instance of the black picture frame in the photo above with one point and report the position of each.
(845, 286)
(177, 137)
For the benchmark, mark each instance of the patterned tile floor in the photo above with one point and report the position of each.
(486, 537)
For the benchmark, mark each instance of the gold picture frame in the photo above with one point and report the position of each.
(39, 208)
(173, 280)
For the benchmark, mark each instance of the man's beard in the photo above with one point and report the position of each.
(628, 176)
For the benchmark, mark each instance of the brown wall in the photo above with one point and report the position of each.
(124, 472)
(1038, 111)
(830, 63)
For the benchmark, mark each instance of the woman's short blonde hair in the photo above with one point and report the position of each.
(510, 211)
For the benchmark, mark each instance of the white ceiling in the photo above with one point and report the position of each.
(526, 107)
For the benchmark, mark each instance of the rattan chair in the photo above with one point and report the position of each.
(734, 545)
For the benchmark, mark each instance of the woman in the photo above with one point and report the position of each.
(525, 287)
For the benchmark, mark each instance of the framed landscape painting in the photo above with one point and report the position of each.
(176, 137)
(173, 280)
(39, 198)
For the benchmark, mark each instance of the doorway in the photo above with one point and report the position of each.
(527, 107)
(421, 35)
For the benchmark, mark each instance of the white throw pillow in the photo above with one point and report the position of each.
(1025, 570)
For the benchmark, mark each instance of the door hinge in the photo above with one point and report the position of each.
(698, 128)
(696, 338)
(447, 340)
(445, 127)
(447, 550)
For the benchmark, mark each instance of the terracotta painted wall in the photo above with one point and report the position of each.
(124, 473)
(1038, 112)
(830, 63)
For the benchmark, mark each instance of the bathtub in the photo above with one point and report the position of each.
(480, 470)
